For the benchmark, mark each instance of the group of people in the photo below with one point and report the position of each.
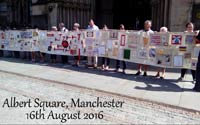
(93, 61)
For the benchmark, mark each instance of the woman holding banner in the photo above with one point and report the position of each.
(105, 61)
(53, 56)
(197, 84)
(189, 29)
(122, 28)
(62, 29)
(92, 61)
(163, 30)
(77, 58)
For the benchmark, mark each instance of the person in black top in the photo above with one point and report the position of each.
(197, 84)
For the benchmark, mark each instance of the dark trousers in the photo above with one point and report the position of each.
(1, 53)
(27, 55)
(118, 64)
(53, 57)
(64, 59)
(105, 61)
(197, 85)
(193, 72)
(16, 54)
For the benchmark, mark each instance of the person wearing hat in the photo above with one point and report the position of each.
(197, 84)
(77, 58)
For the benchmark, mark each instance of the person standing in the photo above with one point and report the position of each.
(162, 30)
(53, 56)
(137, 23)
(105, 61)
(92, 61)
(122, 29)
(62, 28)
(1, 53)
(148, 31)
(197, 84)
(189, 29)
(77, 58)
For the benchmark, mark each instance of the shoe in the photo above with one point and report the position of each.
(75, 65)
(162, 77)
(194, 81)
(41, 61)
(116, 70)
(138, 73)
(95, 67)
(88, 66)
(103, 67)
(33, 60)
(123, 72)
(107, 68)
(180, 79)
(145, 74)
(157, 75)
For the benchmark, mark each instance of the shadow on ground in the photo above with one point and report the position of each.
(152, 83)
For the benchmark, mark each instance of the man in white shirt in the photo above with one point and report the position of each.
(62, 28)
(148, 31)
(92, 61)
(92, 25)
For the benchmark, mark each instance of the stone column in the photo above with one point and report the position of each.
(52, 14)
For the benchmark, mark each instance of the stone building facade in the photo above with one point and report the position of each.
(15, 13)
(47, 13)
(173, 14)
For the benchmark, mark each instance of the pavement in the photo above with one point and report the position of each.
(168, 92)
(133, 111)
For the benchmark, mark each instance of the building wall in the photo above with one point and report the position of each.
(174, 14)
(196, 14)
(66, 11)
(160, 13)
(15, 13)
(180, 14)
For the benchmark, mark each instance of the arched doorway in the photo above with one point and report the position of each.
(116, 12)
(131, 13)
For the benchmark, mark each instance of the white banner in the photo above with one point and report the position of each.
(170, 50)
